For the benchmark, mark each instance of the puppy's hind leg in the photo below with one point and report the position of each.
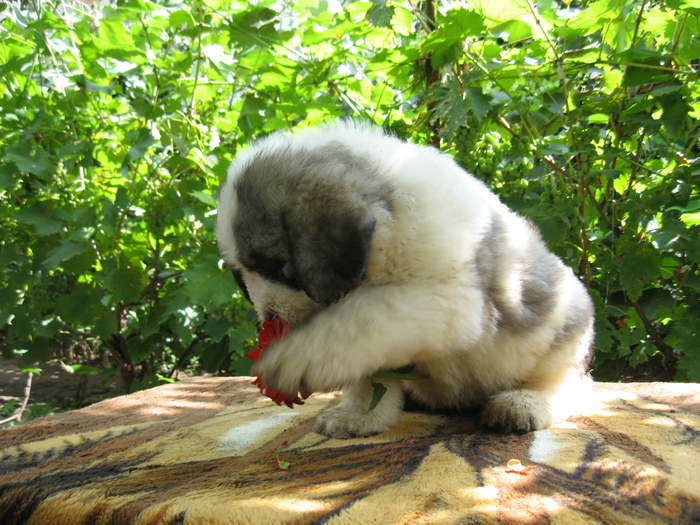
(352, 417)
(520, 410)
(557, 389)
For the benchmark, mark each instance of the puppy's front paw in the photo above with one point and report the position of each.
(341, 423)
(303, 361)
(517, 411)
(279, 371)
(352, 418)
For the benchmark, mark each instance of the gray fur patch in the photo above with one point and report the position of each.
(579, 319)
(538, 272)
(304, 218)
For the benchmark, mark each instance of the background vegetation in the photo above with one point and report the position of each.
(118, 119)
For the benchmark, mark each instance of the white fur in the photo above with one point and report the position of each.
(422, 300)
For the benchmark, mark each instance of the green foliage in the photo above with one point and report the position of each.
(118, 121)
(111, 160)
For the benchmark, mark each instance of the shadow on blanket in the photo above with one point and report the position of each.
(213, 451)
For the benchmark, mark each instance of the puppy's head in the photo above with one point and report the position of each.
(295, 223)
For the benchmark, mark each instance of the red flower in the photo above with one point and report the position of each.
(272, 330)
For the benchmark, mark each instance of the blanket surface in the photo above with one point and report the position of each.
(213, 451)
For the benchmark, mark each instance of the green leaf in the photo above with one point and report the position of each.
(39, 163)
(46, 221)
(180, 18)
(84, 83)
(378, 391)
(212, 357)
(206, 198)
(242, 366)
(144, 141)
(379, 15)
(71, 307)
(451, 108)
(691, 219)
(402, 21)
(445, 43)
(121, 199)
(480, 103)
(675, 112)
(125, 283)
(282, 464)
(65, 251)
(79, 369)
(253, 27)
(398, 375)
(217, 327)
(208, 285)
(514, 30)
(115, 40)
(30, 370)
(639, 267)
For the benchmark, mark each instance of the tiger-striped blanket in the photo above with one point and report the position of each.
(213, 451)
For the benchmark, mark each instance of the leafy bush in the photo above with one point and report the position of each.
(119, 119)
(109, 192)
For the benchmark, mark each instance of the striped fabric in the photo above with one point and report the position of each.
(212, 451)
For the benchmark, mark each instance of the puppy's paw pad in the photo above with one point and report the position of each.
(342, 423)
(517, 411)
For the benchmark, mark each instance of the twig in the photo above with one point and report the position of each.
(185, 355)
(27, 390)
(431, 77)
(557, 57)
(669, 356)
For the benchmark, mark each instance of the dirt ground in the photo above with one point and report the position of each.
(54, 385)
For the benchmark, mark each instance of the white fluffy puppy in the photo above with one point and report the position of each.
(382, 254)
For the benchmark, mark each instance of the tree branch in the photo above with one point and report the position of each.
(27, 391)
(431, 77)
(670, 358)
(186, 355)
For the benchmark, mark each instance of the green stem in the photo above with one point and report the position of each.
(397, 375)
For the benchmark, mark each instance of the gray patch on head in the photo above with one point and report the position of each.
(304, 218)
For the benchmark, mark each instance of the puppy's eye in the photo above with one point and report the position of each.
(280, 271)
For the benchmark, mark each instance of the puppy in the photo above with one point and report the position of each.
(382, 254)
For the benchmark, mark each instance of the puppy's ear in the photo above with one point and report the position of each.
(329, 244)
